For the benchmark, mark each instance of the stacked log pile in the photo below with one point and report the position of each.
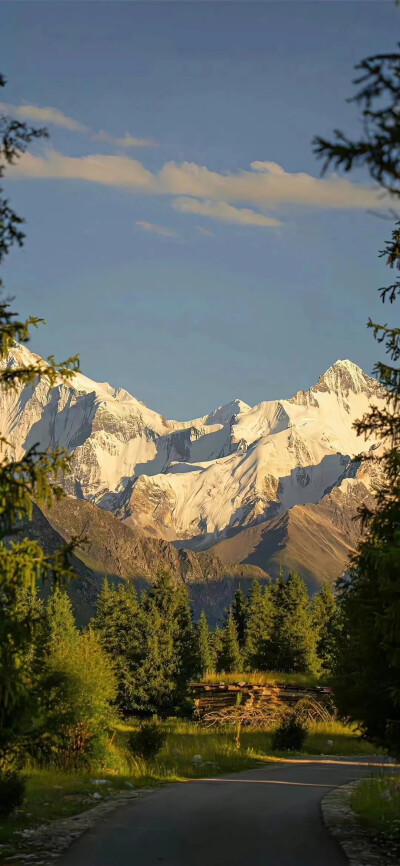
(212, 697)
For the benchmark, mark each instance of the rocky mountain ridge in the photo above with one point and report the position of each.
(238, 472)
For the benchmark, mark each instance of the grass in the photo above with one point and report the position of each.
(51, 795)
(265, 679)
(377, 802)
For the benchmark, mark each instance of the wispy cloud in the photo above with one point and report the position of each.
(54, 117)
(196, 189)
(226, 212)
(156, 229)
(204, 231)
(46, 115)
(265, 185)
(126, 141)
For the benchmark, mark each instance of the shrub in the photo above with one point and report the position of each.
(290, 734)
(148, 740)
(12, 789)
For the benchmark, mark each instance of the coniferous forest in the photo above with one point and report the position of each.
(114, 696)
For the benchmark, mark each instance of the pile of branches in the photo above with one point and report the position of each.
(309, 710)
(248, 714)
(265, 714)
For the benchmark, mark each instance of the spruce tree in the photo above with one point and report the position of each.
(206, 665)
(186, 645)
(367, 681)
(216, 647)
(293, 640)
(325, 623)
(229, 659)
(258, 629)
(240, 614)
(152, 644)
(36, 474)
(119, 623)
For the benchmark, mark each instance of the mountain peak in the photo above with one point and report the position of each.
(344, 375)
(223, 414)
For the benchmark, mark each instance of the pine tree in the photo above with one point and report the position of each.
(153, 645)
(186, 645)
(216, 647)
(367, 681)
(229, 659)
(240, 614)
(206, 664)
(119, 623)
(258, 629)
(36, 474)
(325, 623)
(293, 640)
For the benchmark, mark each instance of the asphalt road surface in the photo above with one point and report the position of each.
(265, 817)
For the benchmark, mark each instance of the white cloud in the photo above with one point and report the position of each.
(43, 115)
(54, 117)
(107, 170)
(156, 229)
(266, 185)
(226, 212)
(126, 141)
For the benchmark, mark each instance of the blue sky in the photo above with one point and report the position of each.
(200, 258)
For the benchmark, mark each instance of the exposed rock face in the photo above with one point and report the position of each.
(317, 540)
(118, 552)
(198, 482)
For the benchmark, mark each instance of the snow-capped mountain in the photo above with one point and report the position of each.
(199, 481)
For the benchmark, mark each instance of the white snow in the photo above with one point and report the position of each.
(194, 479)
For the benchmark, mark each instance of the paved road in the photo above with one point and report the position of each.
(265, 817)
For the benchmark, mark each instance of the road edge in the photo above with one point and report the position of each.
(44, 845)
(343, 823)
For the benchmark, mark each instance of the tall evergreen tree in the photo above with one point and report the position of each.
(152, 644)
(119, 622)
(367, 687)
(258, 629)
(325, 622)
(216, 647)
(240, 613)
(293, 640)
(34, 475)
(205, 657)
(185, 643)
(229, 659)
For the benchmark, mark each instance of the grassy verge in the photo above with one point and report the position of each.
(265, 679)
(377, 802)
(51, 795)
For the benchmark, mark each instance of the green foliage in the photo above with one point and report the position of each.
(12, 789)
(325, 622)
(216, 646)
(377, 803)
(258, 628)
(229, 657)
(148, 740)
(35, 475)
(204, 647)
(120, 625)
(292, 645)
(240, 615)
(153, 644)
(290, 734)
(74, 688)
(367, 671)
